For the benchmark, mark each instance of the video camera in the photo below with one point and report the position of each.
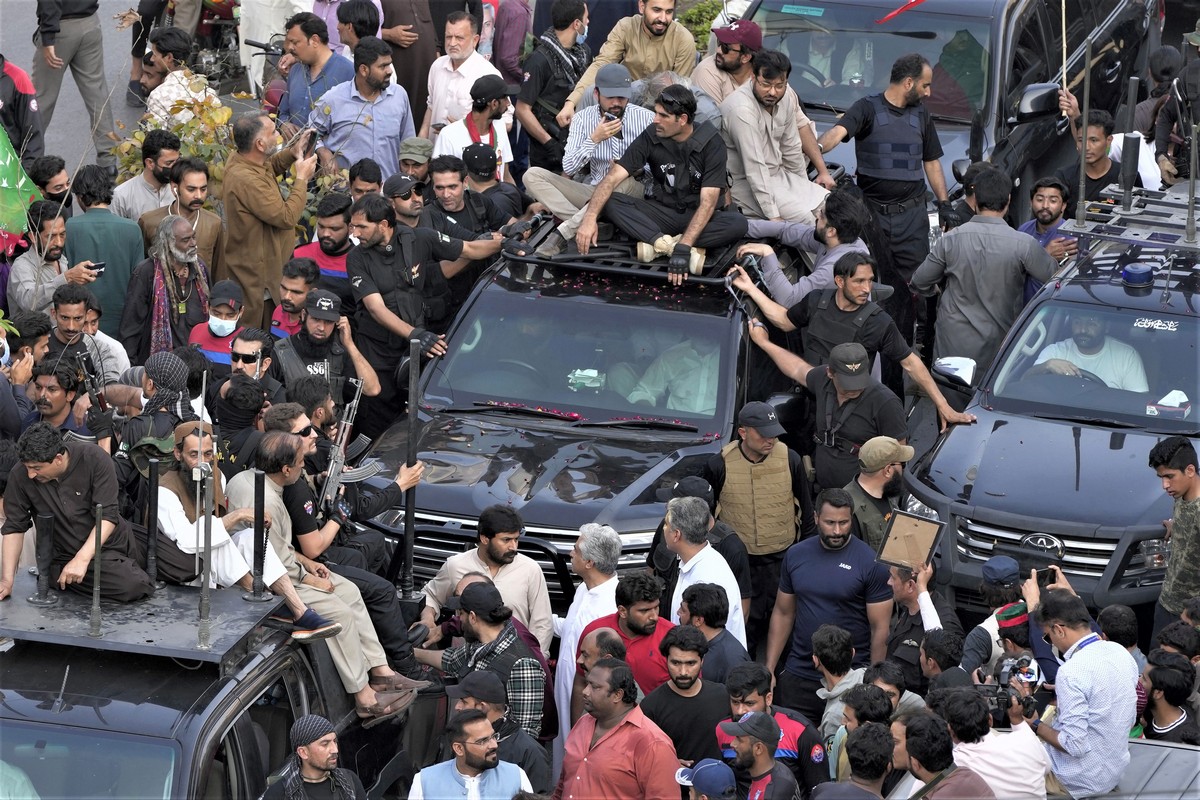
(999, 694)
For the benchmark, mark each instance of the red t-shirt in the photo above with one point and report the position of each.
(217, 349)
(280, 326)
(648, 664)
(331, 266)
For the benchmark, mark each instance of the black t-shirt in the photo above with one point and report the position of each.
(1092, 186)
(777, 784)
(859, 120)
(325, 790)
(542, 84)
(479, 214)
(876, 412)
(301, 504)
(724, 653)
(878, 333)
(689, 722)
(1185, 731)
(679, 169)
(507, 199)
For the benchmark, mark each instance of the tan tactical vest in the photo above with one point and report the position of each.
(757, 500)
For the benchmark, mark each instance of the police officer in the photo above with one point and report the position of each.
(389, 272)
(897, 148)
(324, 346)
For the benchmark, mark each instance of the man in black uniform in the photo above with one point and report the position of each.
(388, 272)
(850, 406)
(315, 350)
(551, 72)
(19, 113)
(897, 148)
(687, 163)
(846, 313)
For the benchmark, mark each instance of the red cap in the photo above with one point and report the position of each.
(743, 32)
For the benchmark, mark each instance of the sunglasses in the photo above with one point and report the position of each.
(306, 431)
(726, 48)
(246, 358)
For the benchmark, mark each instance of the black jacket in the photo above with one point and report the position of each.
(19, 112)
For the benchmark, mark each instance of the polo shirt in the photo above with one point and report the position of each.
(280, 327)
(303, 91)
(724, 653)
(831, 587)
(876, 412)
(355, 128)
(333, 272)
(801, 749)
(641, 653)
(709, 566)
(217, 348)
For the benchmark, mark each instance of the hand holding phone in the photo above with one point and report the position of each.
(98, 267)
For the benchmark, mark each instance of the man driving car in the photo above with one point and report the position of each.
(1090, 350)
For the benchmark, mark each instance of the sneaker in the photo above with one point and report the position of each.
(554, 244)
(311, 627)
(696, 261)
(646, 252)
(133, 95)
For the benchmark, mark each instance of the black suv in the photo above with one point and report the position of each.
(531, 407)
(1055, 469)
(987, 56)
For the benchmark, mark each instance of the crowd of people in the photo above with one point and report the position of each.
(764, 652)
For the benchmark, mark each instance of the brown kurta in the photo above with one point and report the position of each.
(261, 229)
(210, 234)
(411, 64)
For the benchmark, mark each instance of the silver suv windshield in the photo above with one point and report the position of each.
(43, 761)
(1100, 364)
(840, 52)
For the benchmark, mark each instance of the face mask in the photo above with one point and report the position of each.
(7, 354)
(221, 327)
(60, 197)
(582, 38)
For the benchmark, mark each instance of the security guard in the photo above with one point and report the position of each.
(324, 346)
(897, 148)
(392, 272)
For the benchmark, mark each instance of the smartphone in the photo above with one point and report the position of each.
(311, 145)
(609, 117)
(1045, 577)
(98, 267)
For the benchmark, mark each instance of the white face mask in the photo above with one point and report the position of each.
(221, 327)
(582, 37)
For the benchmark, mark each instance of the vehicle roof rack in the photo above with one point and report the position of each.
(616, 261)
(166, 624)
(1157, 218)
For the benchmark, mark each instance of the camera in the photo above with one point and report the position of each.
(999, 694)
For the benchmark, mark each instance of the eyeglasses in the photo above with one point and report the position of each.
(725, 48)
(495, 737)
(246, 358)
(777, 86)
(306, 431)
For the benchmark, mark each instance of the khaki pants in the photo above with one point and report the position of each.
(566, 198)
(80, 44)
(356, 649)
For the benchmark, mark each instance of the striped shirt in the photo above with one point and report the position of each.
(1097, 698)
(582, 151)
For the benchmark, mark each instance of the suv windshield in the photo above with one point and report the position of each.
(1103, 365)
(842, 52)
(43, 761)
(602, 348)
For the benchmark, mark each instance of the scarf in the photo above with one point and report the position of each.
(572, 63)
(293, 786)
(165, 311)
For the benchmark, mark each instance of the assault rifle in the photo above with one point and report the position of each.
(337, 475)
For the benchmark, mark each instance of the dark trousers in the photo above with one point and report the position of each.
(365, 550)
(1162, 618)
(799, 694)
(376, 414)
(645, 221)
(907, 235)
(121, 578)
(379, 596)
(764, 583)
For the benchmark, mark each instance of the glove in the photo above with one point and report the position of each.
(514, 247)
(677, 264)
(100, 423)
(1170, 174)
(947, 217)
(516, 229)
(427, 339)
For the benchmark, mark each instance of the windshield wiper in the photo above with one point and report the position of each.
(823, 106)
(655, 424)
(480, 407)
(949, 118)
(1103, 422)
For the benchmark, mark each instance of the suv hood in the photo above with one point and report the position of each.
(553, 475)
(1047, 469)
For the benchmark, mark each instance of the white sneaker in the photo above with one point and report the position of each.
(696, 262)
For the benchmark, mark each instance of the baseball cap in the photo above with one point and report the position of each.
(692, 486)
(709, 777)
(492, 87)
(481, 684)
(480, 159)
(227, 293)
(417, 149)
(482, 598)
(877, 453)
(1002, 570)
(850, 364)
(761, 417)
(742, 32)
(614, 80)
(399, 184)
(323, 304)
(753, 723)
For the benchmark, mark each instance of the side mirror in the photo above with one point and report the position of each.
(960, 167)
(1037, 101)
(956, 370)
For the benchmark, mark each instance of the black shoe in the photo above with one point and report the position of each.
(133, 95)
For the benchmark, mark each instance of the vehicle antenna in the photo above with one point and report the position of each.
(57, 706)
(1190, 236)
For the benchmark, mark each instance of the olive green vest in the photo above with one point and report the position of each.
(757, 500)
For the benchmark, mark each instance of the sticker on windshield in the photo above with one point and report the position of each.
(1171, 326)
(803, 11)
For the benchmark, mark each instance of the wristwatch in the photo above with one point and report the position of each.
(1035, 724)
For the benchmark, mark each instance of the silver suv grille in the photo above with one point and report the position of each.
(977, 540)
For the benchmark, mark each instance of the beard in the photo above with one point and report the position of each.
(894, 486)
(683, 682)
(183, 256)
(333, 247)
(317, 347)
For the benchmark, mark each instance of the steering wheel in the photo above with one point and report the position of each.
(1091, 376)
(514, 362)
(811, 70)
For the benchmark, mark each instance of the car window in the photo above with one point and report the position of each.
(61, 762)
(589, 360)
(840, 53)
(1029, 65)
(1122, 365)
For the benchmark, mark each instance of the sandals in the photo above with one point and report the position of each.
(397, 683)
(388, 705)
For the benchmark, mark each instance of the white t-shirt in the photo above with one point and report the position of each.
(455, 138)
(1117, 364)
(1013, 764)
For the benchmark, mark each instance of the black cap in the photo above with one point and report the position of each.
(480, 159)
(227, 293)
(482, 598)
(851, 365)
(323, 304)
(492, 87)
(482, 684)
(399, 184)
(754, 723)
(760, 416)
(692, 486)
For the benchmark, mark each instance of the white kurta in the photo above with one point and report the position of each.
(766, 160)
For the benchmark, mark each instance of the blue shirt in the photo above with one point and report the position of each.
(834, 587)
(1050, 235)
(303, 92)
(354, 128)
